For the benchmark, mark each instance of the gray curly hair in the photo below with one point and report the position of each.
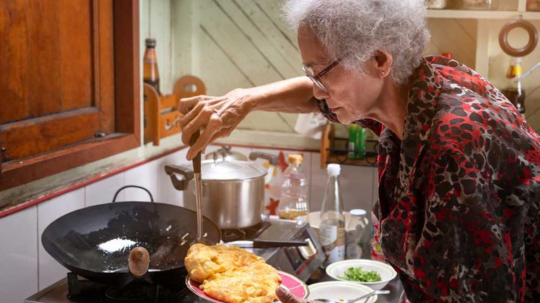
(356, 29)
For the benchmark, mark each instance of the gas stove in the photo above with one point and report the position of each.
(299, 261)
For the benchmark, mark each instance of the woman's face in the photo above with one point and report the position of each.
(350, 95)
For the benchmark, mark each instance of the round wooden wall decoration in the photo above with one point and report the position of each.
(523, 51)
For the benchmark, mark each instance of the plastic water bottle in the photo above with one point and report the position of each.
(294, 203)
(332, 226)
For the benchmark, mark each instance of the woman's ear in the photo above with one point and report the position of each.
(383, 61)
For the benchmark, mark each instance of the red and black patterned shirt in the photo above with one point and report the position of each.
(459, 196)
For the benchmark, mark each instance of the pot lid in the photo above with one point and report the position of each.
(230, 170)
(226, 153)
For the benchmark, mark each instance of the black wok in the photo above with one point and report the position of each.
(95, 242)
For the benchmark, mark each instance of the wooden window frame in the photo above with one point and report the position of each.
(126, 117)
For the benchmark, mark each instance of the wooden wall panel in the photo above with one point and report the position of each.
(499, 62)
(454, 36)
(75, 30)
(252, 29)
(44, 77)
(13, 62)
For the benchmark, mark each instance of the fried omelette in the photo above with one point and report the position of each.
(231, 274)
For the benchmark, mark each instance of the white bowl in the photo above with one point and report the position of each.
(339, 290)
(336, 270)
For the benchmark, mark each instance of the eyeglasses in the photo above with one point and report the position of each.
(317, 78)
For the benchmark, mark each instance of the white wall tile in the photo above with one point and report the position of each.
(146, 176)
(19, 255)
(306, 164)
(166, 191)
(51, 271)
(375, 185)
(103, 191)
(356, 185)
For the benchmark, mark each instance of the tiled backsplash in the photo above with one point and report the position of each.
(29, 266)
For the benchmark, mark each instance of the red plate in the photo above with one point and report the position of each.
(296, 286)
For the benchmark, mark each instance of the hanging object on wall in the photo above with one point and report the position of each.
(514, 90)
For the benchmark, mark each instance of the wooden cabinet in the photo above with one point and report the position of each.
(69, 84)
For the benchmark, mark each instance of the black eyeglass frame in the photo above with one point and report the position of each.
(308, 70)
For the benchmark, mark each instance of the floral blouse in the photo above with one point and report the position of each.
(459, 196)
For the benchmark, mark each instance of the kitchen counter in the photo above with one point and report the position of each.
(58, 291)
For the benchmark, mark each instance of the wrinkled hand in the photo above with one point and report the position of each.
(217, 116)
(286, 297)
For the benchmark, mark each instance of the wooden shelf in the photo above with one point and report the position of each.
(161, 113)
(474, 14)
(332, 154)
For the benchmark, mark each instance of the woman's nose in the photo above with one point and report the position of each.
(319, 93)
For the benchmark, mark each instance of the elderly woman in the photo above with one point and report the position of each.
(459, 168)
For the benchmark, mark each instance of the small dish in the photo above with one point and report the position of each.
(291, 283)
(339, 290)
(337, 270)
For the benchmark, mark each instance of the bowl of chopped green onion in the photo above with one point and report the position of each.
(371, 273)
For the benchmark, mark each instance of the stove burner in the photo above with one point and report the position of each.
(249, 233)
(86, 291)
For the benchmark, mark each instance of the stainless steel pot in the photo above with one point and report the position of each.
(232, 193)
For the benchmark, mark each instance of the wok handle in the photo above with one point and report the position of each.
(139, 260)
(135, 186)
(179, 184)
(257, 243)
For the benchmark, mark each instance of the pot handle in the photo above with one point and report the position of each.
(134, 186)
(258, 243)
(179, 184)
(273, 159)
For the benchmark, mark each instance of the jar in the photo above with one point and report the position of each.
(435, 4)
(480, 4)
(533, 5)
(358, 235)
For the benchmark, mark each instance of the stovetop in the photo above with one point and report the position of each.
(72, 289)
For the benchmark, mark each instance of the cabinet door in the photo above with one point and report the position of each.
(57, 74)
(69, 85)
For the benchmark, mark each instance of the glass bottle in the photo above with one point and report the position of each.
(332, 225)
(533, 5)
(514, 92)
(294, 204)
(480, 4)
(435, 4)
(358, 235)
(150, 67)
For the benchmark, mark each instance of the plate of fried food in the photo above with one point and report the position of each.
(233, 275)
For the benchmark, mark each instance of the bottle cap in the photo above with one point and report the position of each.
(150, 42)
(296, 159)
(333, 169)
(358, 212)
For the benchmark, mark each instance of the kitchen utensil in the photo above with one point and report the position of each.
(365, 297)
(340, 291)
(291, 283)
(95, 242)
(387, 273)
(198, 186)
(232, 191)
(258, 243)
